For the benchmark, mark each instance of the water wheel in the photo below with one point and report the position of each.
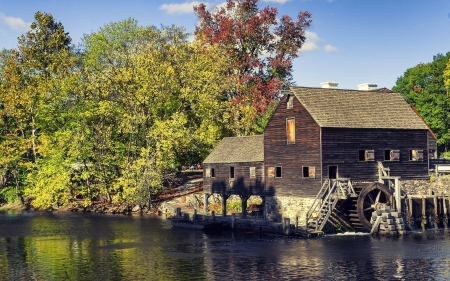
(372, 198)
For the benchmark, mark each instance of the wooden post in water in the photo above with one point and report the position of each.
(436, 212)
(444, 215)
(213, 215)
(287, 226)
(264, 206)
(194, 216)
(205, 203)
(244, 199)
(178, 212)
(423, 221)
(224, 204)
(233, 221)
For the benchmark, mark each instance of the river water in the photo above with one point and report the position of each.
(75, 246)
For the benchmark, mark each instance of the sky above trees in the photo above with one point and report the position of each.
(350, 41)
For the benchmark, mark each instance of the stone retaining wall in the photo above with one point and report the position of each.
(437, 185)
(280, 207)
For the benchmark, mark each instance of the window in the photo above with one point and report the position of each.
(210, 173)
(278, 172)
(391, 155)
(252, 172)
(416, 155)
(290, 102)
(290, 130)
(332, 172)
(271, 172)
(309, 172)
(231, 172)
(366, 155)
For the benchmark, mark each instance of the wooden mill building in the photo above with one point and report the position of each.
(317, 134)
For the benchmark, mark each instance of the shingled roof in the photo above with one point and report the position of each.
(238, 149)
(338, 108)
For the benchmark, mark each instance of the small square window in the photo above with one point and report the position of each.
(252, 172)
(416, 155)
(392, 155)
(271, 172)
(309, 172)
(278, 172)
(366, 155)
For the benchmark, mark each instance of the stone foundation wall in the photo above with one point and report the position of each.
(436, 185)
(279, 207)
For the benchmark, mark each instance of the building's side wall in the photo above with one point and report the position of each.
(292, 157)
(340, 147)
(242, 184)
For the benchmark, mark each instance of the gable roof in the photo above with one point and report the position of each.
(238, 149)
(338, 108)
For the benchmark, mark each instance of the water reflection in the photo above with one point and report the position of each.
(43, 246)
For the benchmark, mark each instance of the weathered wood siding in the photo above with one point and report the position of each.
(292, 157)
(242, 183)
(340, 147)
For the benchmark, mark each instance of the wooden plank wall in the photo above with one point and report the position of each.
(242, 185)
(291, 157)
(340, 147)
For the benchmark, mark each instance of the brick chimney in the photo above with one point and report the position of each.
(329, 85)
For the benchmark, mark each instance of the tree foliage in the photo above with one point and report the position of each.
(113, 117)
(260, 49)
(423, 86)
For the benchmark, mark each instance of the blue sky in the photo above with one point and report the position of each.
(350, 41)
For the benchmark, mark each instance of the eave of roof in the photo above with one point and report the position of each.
(238, 150)
(339, 108)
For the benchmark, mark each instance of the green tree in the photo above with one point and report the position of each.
(34, 91)
(154, 96)
(423, 87)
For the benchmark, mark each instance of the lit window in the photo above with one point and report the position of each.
(271, 172)
(252, 172)
(416, 155)
(290, 130)
(309, 172)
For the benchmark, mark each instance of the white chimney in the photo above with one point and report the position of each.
(329, 85)
(367, 87)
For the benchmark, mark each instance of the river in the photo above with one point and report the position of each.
(77, 246)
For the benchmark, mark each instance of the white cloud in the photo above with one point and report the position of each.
(277, 1)
(311, 42)
(15, 23)
(178, 9)
(330, 49)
